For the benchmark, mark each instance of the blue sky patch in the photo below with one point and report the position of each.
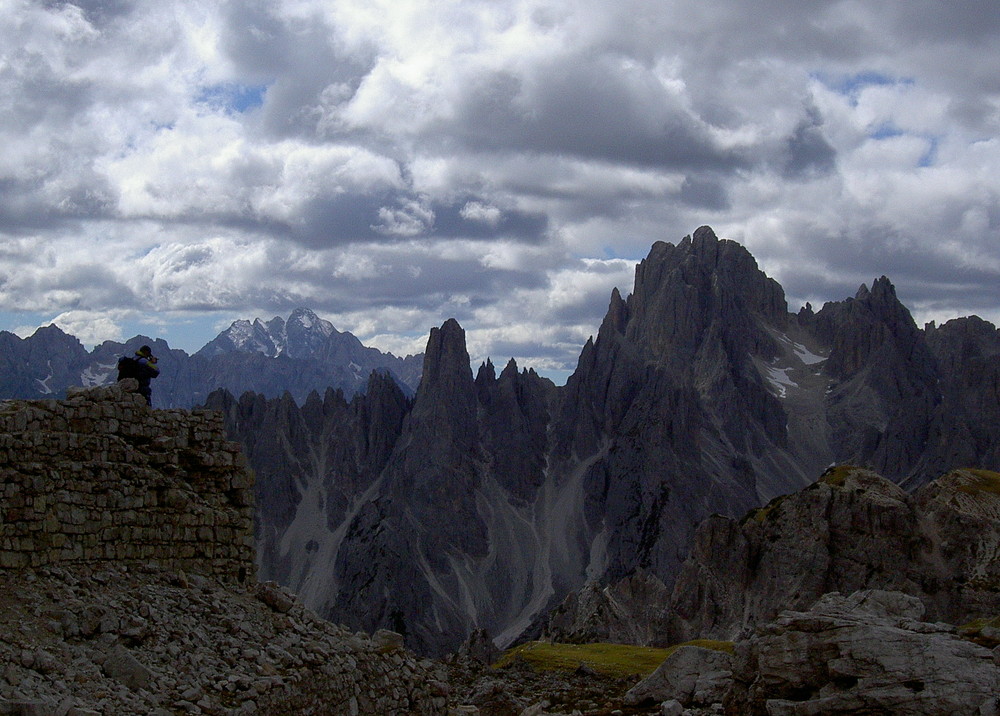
(930, 156)
(886, 130)
(852, 85)
(233, 97)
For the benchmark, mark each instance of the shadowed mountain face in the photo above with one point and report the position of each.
(484, 501)
(298, 356)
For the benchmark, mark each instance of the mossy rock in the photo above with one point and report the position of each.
(981, 481)
(837, 475)
(974, 631)
(761, 513)
(613, 660)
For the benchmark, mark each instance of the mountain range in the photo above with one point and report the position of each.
(483, 501)
(299, 355)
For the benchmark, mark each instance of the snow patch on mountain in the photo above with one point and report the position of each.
(779, 380)
(43, 383)
(98, 374)
(807, 356)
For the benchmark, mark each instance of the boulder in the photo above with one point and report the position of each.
(124, 667)
(479, 649)
(692, 675)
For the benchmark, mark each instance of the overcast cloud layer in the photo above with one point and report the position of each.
(394, 163)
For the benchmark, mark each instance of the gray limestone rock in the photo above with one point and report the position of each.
(860, 654)
(120, 664)
(479, 649)
(483, 503)
(849, 531)
(627, 612)
(692, 675)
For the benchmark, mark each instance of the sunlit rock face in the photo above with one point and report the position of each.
(484, 500)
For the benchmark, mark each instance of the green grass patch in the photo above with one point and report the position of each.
(983, 481)
(979, 624)
(836, 476)
(615, 660)
(760, 514)
(973, 631)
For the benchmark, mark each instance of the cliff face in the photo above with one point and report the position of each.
(384, 509)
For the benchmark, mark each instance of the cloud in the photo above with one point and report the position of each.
(89, 327)
(392, 163)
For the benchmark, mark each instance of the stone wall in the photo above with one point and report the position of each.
(100, 476)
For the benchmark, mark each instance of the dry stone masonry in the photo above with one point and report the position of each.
(100, 476)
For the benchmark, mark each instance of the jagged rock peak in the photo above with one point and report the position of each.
(881, 291)
(302, 333)
(617, 315)
(446, 352)
(487, 373)
(680, 291)
(705, 242)
(882, 288)
(445, 403)
(509, 371)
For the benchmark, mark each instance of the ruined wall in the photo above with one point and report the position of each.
(100, 476)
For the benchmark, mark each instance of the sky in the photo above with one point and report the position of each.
(170, 167)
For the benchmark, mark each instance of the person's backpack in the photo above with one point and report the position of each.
(128, 367)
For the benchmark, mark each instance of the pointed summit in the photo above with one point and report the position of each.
(446, 398)
(446, 357)
(617, 316)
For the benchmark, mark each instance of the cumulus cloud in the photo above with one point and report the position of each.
(90, 327)
(393, 163)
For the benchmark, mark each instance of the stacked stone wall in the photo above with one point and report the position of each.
(101, 476)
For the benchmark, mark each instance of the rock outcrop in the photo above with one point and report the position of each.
(630, 611)
(870, 652)
(692, 676)
(851, 530)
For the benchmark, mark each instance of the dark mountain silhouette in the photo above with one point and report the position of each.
(484, 501)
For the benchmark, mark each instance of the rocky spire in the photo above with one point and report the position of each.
(445, 405)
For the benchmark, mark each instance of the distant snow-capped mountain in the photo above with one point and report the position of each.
(301, 336)
(302, 354)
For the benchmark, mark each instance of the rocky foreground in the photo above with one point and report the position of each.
(106, 639)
